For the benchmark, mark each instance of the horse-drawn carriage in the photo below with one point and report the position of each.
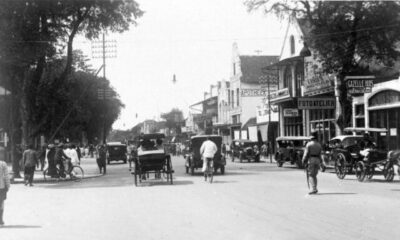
(152, 158)
(358, 153)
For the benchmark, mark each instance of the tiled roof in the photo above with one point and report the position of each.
(251, 66)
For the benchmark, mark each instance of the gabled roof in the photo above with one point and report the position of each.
(251, 66)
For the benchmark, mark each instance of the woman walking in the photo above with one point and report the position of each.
(4, 186)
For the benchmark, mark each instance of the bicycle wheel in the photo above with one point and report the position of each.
(77, 173)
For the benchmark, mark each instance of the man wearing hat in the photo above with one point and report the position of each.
(312, 160)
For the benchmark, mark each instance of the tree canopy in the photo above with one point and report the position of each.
(36, 54)
(347, 37)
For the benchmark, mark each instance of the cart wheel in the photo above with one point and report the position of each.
(388, 172)
(361, 171)
(78, 173)
(222, 170)
(340, 166)
(370, 172)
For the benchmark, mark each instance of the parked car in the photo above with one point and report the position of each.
(116, 151)
(245, 150)
(193, 157)
(291, 149)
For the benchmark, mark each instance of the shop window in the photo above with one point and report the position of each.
(292, 45)
(237, 97)
(359, 110)
(384, 98)
(287, 78)
(232, 98)
(299, 78)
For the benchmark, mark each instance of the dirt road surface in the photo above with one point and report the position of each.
(251, 201)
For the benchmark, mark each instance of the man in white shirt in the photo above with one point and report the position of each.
(207, 150)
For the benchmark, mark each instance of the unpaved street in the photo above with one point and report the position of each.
(251, 201)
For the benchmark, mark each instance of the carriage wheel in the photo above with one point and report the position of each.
(361, 171)
(371, 172)
(340, 166)
(388, 172)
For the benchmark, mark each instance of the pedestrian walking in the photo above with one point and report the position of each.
(102, 158)
(4, 187)
(30, 160)
(312, 160)
(51, 162)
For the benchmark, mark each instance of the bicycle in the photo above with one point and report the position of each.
(75, 173)
(209, 172)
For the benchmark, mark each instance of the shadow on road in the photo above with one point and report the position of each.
(218, 181)
(160, 182)
(20, 226)
(336, 193)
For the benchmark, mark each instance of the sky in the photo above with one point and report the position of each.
(191, 39)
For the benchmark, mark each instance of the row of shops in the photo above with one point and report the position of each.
(290, 95)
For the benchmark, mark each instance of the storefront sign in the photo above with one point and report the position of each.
(290, 112)
(359, 84)
(210, 106)
(316, 103)
(315, 80)
(253, 92)
(280, 94)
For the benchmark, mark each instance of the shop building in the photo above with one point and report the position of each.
(245, 90)
(305, 95)
(378, 107)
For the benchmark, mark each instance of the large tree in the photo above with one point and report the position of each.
(348, 37)
(34, 33)
(174, 120)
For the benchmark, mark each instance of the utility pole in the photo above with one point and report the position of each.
(104, 49)
(269, 77)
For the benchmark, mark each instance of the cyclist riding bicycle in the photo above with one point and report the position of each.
(208, 150)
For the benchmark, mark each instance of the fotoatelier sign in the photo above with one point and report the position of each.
(359, 84)
(316, 103)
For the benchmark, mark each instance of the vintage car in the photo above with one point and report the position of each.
(194, 159)
(245, 150)
(291, 149)
(152, 157)
(354, 153)
(116, 151)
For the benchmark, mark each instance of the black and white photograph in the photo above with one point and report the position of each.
(199, 119)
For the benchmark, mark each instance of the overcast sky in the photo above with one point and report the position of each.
(191, 39)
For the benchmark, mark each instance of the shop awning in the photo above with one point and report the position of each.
(251, 122)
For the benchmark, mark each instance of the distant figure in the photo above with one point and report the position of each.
(223, 149)
(101, 159)
(51, 162)
(61, 159)
(4, 187)
(30, 159)
(312, 160)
